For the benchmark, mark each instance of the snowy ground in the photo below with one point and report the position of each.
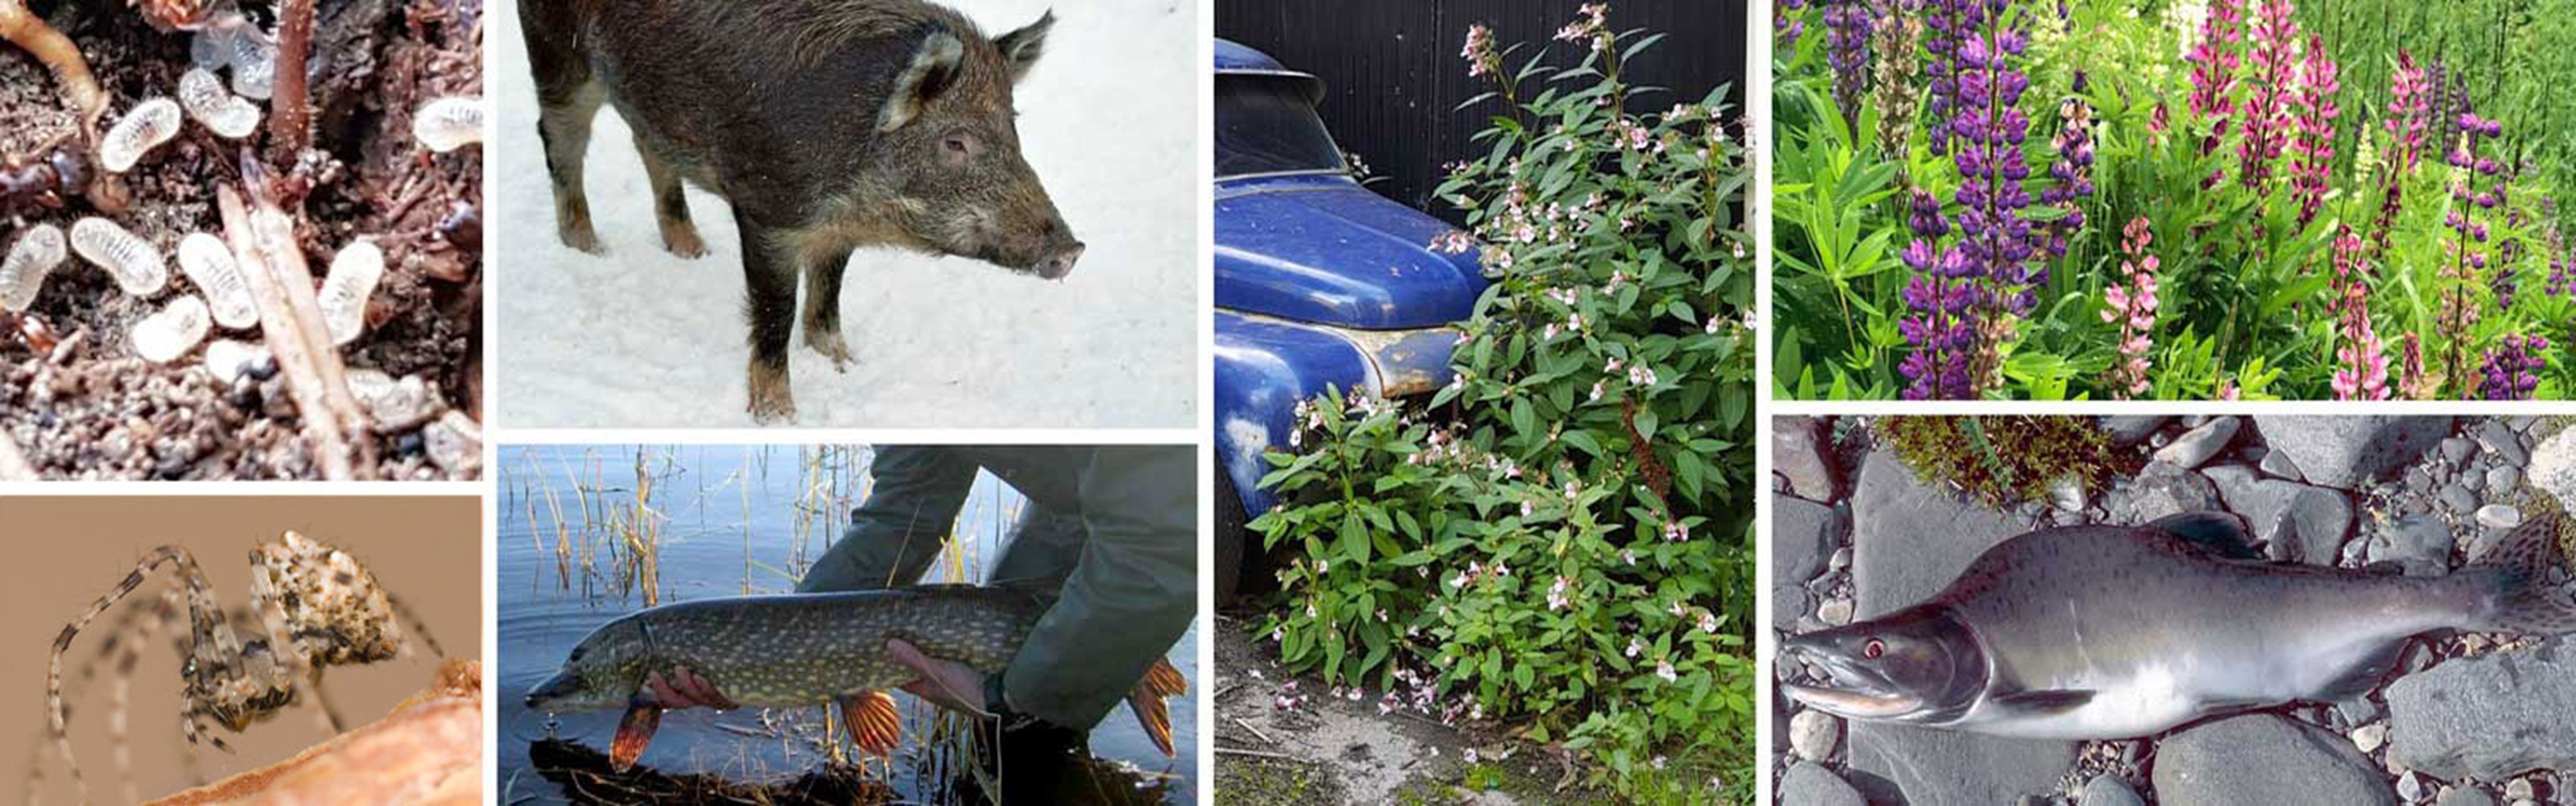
(641, 338)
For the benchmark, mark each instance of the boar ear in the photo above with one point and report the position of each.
(1021, 48)
(932, 69)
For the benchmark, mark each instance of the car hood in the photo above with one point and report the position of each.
(1322, 249)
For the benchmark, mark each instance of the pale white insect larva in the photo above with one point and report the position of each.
(344, 293)
(209, 264)
(224, 114)
(163, 337)
(134, 262)
(395, 406)
(254, 65)
(145, 127)
(212, 48)
(229, 360)
(449, 123)
(23, 273)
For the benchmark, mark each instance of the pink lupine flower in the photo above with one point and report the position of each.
(2132, 303)
(2275, 35)
(2313, 142)
(2213, 74)
(2361, 368)
(2409, 113)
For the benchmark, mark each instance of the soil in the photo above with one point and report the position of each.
(74, 398)
(1327, 749)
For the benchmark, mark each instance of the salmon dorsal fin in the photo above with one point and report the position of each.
(2217, 533)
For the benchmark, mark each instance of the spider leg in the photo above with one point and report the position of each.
(57, 712)
(417, 625)
(294, 666)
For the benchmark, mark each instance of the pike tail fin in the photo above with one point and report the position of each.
(1155, 715)
(2528, 586)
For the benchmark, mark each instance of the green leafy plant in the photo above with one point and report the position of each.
(2007, 460)
(1563, 547)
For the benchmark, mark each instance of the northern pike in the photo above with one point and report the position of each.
(793, 650)
(2097, 632)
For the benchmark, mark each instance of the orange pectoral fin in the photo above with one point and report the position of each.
(1163, 679)
(872, 721)
(633, 733)
(1154, 715)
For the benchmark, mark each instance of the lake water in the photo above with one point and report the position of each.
(734, 520)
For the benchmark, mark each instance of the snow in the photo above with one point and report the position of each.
(642, 338)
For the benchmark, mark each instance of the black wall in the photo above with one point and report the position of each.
(1393, 75)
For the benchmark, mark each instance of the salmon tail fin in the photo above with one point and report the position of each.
(2528, 582)
(1152, 712)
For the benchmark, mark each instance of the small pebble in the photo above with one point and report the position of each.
(2499, 516)
(1815, 734)
(2369, 737)
(1836, 611)
(455, 442)
(230, 360)
(395, 406)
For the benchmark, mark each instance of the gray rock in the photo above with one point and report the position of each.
(1788, 602)
(2410, 786)
(2107, 790)
(1798, 453)
(2459, 499)
(2279, 464)
(2519, 789)
(2502, 479)
(2343, 451)
(1911, 540)
(2163, 489)
(2553, 468)
(2459, 449)
(2499, 516)
(2199, 444)
(2126, 431)
(1810, 784)
(2295, 521)
(2262, 758)
(2420, 543)
(2464, 796)
(1815, 735)
(2504, 441)
(2369, 737)
(1836, 611)
(1803, 534)
(2488, 717)
(1841, 559)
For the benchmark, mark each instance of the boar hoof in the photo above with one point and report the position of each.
(771, 399)
(581, 237)
(831, 345)
(682, 239)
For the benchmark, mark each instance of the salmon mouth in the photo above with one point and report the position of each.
(1845, 687)
(1852, 704)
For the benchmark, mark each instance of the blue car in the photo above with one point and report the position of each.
(1319, 283)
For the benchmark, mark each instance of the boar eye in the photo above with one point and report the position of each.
(958, 149)
(1873, 649)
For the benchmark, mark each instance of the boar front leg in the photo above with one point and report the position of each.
(769, 284)
(564, 116)
(823, 306)
(670, 204)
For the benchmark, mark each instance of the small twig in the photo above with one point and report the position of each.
(291, 322)
(13, 465)
(1265, 737)
(291, 111)
(1237, 751)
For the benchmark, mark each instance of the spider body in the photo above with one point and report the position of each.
(312, 606)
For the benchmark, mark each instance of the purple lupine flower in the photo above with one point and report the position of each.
(2313, 142)
(1948, 23)
(2505, 281)
(2413, 381)
(2213, 75)
(2132, 303)
(2267, 101)
(2361, 361)
(2513, 373)
(1787, 23)
(1942, 295)
(1899, 27)
(2467, 245)
(2073, 172)
(1995, 238)
(1847, 25)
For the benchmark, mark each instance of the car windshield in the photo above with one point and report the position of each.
(1265, 125)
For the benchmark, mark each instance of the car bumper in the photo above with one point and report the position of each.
(1266, 366)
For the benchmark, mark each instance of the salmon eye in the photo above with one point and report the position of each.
(1873, 649)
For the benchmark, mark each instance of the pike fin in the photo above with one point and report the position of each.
(2525, 575)
(872, 721)
(2217, 533)
(633, 733)
(2044, 701)
(1162, 680)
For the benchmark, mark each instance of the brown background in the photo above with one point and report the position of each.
(63, 552)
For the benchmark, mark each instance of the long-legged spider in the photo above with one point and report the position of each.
(312, 606)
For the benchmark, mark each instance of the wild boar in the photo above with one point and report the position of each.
(828, 125)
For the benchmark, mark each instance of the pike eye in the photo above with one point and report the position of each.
(1873, 649)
